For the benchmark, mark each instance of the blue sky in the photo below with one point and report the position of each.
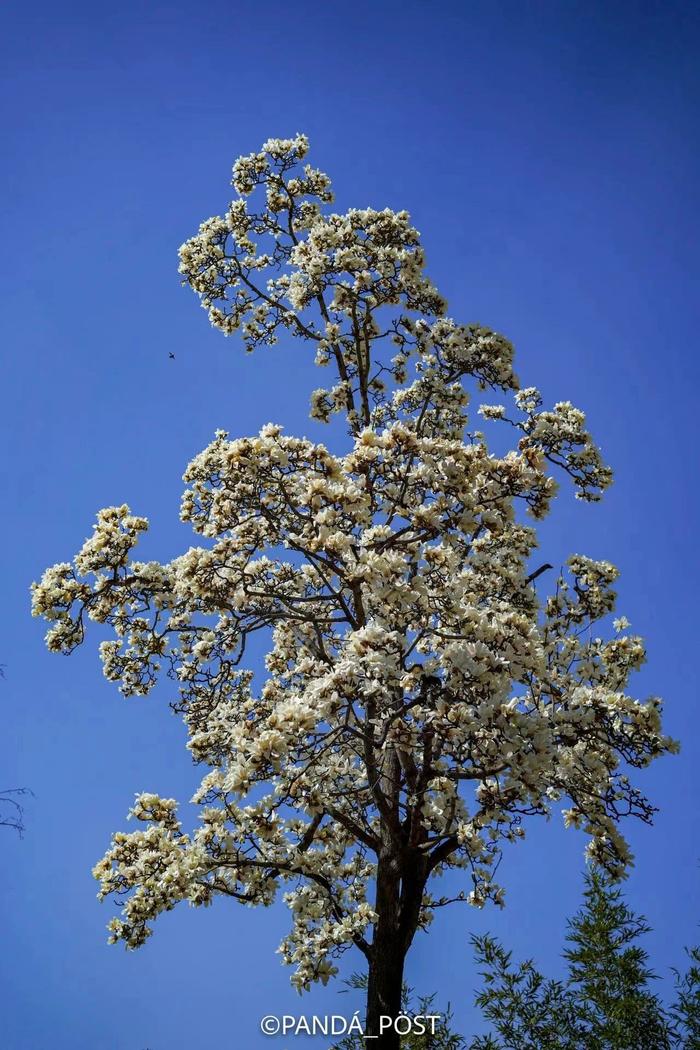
(547, 152)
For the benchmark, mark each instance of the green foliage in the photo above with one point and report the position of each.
(686, 1009)
(605, 1002)
(608, 971)
(525, 1010)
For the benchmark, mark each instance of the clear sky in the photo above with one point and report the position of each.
(548, 154)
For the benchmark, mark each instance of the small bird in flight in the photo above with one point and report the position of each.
(171, 356)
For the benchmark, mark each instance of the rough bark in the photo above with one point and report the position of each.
(385, 976)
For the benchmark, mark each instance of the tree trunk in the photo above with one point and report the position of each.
(385, 976)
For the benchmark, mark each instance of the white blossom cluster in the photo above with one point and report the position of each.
(419, 699)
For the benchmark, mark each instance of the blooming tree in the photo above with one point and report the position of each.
(419, 698)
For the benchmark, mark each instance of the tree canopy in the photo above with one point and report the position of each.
(420, 699)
